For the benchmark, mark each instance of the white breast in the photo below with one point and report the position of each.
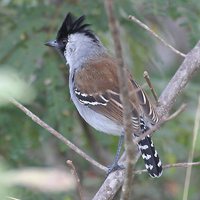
(94, 119)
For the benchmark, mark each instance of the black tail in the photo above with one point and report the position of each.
(150, 156)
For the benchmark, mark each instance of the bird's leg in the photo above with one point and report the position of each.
(115, 165)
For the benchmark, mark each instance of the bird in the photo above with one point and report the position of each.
(94, 89)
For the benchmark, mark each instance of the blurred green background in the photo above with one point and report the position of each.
(38, 77)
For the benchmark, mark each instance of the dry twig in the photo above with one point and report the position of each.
(75, 174)
(177, 112)
(57, 134)
(127, 113)
(133, 18)
(150, 131)
(186, 165)
(147, 78)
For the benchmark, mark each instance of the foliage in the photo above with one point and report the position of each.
(27, 25)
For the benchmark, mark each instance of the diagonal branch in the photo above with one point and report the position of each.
(38, 121)
(178, 82)
(131, 17)
(177, 112)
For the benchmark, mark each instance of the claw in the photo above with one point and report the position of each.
(114, 167)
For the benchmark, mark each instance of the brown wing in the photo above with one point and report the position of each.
(98, 84)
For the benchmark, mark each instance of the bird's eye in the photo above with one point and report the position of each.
(64, 41)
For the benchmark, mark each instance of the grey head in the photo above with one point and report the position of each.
(76, 42)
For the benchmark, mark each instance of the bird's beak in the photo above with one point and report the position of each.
(52, 43)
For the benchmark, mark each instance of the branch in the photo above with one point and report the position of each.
(38, 121)
(178, 82)
(150, 131)
(155, 35)
(177, 112)
(147, 78)
(73, 171)
(174, 88)
(124, 96)
(113, 182)
(175, 165)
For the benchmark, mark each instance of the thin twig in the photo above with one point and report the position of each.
(57, 134)
(127, 111)
(161, 122)
(191, 155)
(150, 131)
(175, 165)
(75, 174)
(181, 165)
(133, 18)
(177, 112)
(147, 78)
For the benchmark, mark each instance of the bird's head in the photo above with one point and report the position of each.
(74, 38)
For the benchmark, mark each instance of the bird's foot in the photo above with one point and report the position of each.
(114, 167)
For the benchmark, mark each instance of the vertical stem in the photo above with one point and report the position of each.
(191, 155)
(127, 111)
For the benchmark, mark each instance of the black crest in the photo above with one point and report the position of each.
(71, 25)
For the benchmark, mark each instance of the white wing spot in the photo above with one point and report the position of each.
(92, 103)
(77, 92)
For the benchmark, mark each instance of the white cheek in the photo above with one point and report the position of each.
(69, 53)
(70, 49)
(65, 55)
